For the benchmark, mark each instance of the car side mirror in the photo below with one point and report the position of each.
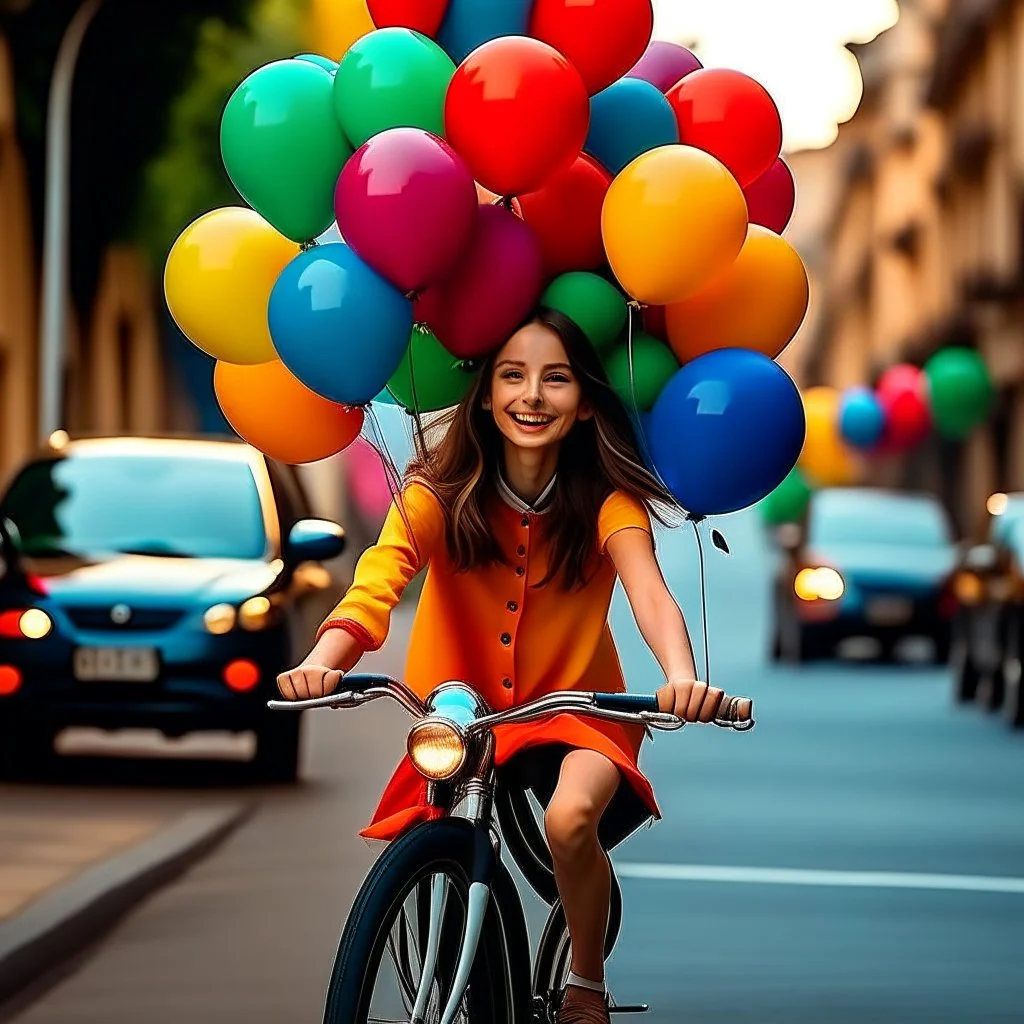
(315, 540)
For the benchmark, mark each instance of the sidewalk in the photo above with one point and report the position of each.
(72, 861)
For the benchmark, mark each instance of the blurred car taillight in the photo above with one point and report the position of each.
(241, 675)
(10, 680)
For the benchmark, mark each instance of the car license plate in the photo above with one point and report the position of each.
(889, 611)
(116, 664)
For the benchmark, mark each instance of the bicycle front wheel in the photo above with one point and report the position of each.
(395, 963)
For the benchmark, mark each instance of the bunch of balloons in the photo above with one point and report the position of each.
(410, 199)
(950, 396)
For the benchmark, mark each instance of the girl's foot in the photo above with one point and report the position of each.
(580, 1006)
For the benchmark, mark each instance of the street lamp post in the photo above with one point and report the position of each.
(53, 303)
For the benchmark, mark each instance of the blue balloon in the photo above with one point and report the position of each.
(861, 418)
(471, 23)
(628, 119)
(726, 430)
(338, 325)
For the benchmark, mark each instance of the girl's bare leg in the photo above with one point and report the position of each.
(586, 785)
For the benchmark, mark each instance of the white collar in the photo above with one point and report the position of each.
(540, 505)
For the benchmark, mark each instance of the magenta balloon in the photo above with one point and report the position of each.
(663, 64)
(406, 204)
(495, 285)
(772, 198)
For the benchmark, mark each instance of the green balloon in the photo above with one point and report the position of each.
(788, 502)
(961, 391)
(315, 58)
(654, 364)
(392, 78)
(591, 302)
(429, 377)
(283, 147)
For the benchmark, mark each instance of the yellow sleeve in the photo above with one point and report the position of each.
(620, 511)
(409, 535)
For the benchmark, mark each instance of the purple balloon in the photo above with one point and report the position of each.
(495, 285)
(406, 203)
(663, 64)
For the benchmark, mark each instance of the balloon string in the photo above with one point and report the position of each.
(421, 440)
(695, 523)
(391, 473)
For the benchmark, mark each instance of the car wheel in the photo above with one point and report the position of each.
(278, 743)
(965, 675)
(1013, 670)
(943, 644)
(26, 750)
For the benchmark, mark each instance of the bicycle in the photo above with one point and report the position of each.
(460, 952)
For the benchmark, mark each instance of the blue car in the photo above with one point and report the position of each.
(867, 563)
(156, 583)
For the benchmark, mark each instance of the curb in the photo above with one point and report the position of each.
(63, 921)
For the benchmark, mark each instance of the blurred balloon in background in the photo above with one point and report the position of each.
(217, 282)
(275, 412)
(731, 116)
(628, 119)
(788, 502)
(861, 418)
(903, 394)
(825, 459)
(283, 147)
(429, 377)
(726, 430)
(491, 290)
(960, 391)
(367, 480)
(391, 78)
(664, 64)
(565, 216)
(407, 204)
(592, 303)
(517, 112)
(771, 199)
(758, 303)
(673, 221)
(338, 325)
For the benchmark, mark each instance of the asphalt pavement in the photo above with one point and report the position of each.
(858, 857)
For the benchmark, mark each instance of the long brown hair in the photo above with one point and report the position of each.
(598, 456)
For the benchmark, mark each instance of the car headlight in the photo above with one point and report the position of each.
(819, 584)
(220, 619)
(436, 749)
(257, 613)
(34, 624)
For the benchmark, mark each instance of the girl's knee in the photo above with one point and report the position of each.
(571, 822)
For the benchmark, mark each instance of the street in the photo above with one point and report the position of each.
(886, 806)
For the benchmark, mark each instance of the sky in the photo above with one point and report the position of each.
(794, 48)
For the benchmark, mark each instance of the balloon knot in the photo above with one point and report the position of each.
(508, 203)
(310, 243)
(694, 517)
(413, 294)
(420, 327)
(635, 304)
(469, 365)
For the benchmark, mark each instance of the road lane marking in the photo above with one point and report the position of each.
(826, 879)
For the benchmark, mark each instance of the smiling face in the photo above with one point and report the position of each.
(535, 396)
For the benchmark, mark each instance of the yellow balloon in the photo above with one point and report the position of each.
(758, 303)
(217, 281)
(334, 25)
(826, 460)
(673, 220)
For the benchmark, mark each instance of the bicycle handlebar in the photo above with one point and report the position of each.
(735, 713)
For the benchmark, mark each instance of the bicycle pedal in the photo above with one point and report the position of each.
(640, 1008)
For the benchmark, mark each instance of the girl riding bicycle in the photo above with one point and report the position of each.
(534, 500)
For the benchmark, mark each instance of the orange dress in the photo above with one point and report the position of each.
(494, 629)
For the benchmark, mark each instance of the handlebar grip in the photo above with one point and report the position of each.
(735, 713)
(629, 702)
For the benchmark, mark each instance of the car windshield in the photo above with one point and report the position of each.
(872, 517)
(165, 505)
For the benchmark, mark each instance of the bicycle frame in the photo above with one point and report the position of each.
(458, 707)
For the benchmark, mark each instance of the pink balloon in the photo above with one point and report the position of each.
(489, 294)
(663, 64)
(772, 198)
(903, 394)
(406, 203)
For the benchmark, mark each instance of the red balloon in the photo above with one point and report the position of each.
(566, 217)
(732, 117)
(655, 323)
(422, 15)
(516, 112)
(495, 285)
(603, 38)
(772, 198)
(903, 394)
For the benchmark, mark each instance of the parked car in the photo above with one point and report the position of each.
(987, 626)
(865, 562)
(157, 583)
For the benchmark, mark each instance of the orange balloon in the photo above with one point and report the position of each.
(759, 303)
(825, 459)
(275, 412)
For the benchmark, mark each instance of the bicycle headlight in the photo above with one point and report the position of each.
(437, 749)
